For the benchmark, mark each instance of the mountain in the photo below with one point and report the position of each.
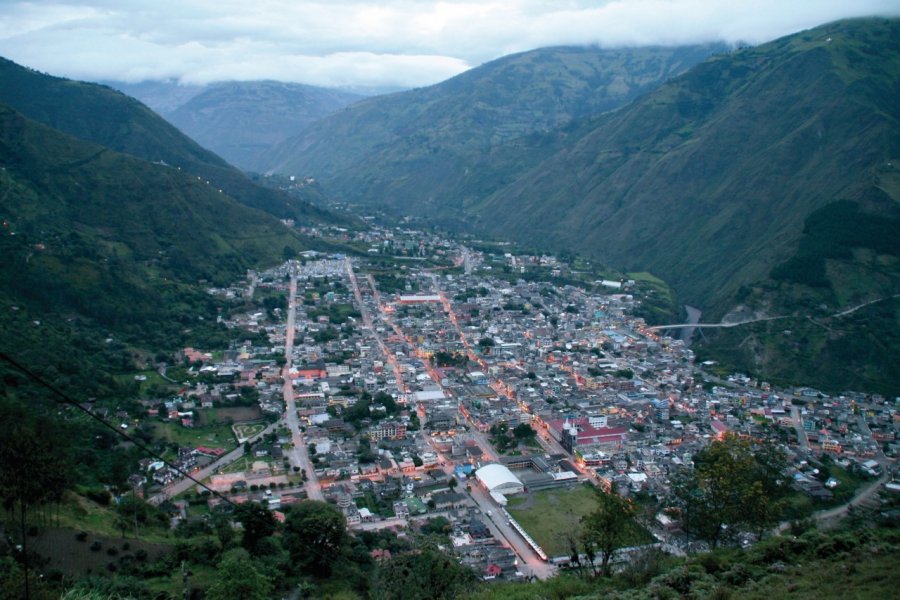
(717, 180)
(101, 233)
(707, 180)
(163, 96)
(240, 120)
(409, 150)
(762, 183)
(104, 116)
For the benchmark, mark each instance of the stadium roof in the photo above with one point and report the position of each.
(495, 476)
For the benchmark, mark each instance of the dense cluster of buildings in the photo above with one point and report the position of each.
(404, 396)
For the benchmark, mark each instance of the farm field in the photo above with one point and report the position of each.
(94, 553)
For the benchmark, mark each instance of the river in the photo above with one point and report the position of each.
(687, 333)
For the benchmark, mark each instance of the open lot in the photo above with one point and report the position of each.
(234, 414)
(94, 554)
(549, 516)
(217, 436)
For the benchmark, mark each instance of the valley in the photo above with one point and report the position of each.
(581, 321)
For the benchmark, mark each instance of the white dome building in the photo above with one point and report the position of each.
(498, 479)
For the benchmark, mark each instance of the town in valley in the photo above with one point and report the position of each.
(461, 388)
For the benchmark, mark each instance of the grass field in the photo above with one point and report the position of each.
(152, 378)
(549, 515)
(219, 436)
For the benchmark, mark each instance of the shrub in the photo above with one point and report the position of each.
(96, 546)
(99, 495)
(81, 536)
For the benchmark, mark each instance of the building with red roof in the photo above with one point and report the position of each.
(581, 434)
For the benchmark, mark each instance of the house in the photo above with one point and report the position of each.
(448, 500)
(401, 509)
(492, 572)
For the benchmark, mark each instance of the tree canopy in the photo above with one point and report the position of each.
(315, 534)
(237, 578)
(735, 484)
(608, 528)
(426, 573)
(258, 523)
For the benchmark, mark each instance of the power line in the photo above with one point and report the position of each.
(66, 399)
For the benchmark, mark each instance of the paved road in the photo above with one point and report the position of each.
(862, 496)
(369, 324)
(298, 455)
(529, 562)
(842, 313)
(865, 493)
(798, 427)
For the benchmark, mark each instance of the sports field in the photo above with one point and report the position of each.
(549, 516)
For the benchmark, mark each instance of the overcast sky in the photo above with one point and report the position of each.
(401, 43)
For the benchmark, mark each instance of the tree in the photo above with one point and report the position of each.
(425, 573)
(610, 527)
(523, 431)
(315, 533)
(734, 484)
(486, 342)
(33, 473)
(258, 523)
(221, 524)
(238, 578)
(12, 583)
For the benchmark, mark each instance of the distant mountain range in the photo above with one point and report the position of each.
(708, 179)
(415, 150)
(239, 120)
(104, 116)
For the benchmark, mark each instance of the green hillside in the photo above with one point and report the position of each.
(851, 562)
(104, 116)
(763, 182)
(707, 180)
(842, 287)
(100, 234)
(414, 150)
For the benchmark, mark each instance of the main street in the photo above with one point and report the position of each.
(369, 325)
(532, 564)
(798, 427)
(299, 455)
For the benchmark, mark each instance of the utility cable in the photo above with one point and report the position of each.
(66, 399)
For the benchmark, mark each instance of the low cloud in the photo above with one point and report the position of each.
(352, 43)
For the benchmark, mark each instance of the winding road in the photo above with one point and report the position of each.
(836, 315)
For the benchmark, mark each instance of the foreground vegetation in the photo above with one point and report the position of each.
(314, 556)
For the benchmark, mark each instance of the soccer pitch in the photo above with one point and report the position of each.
(550, 516)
